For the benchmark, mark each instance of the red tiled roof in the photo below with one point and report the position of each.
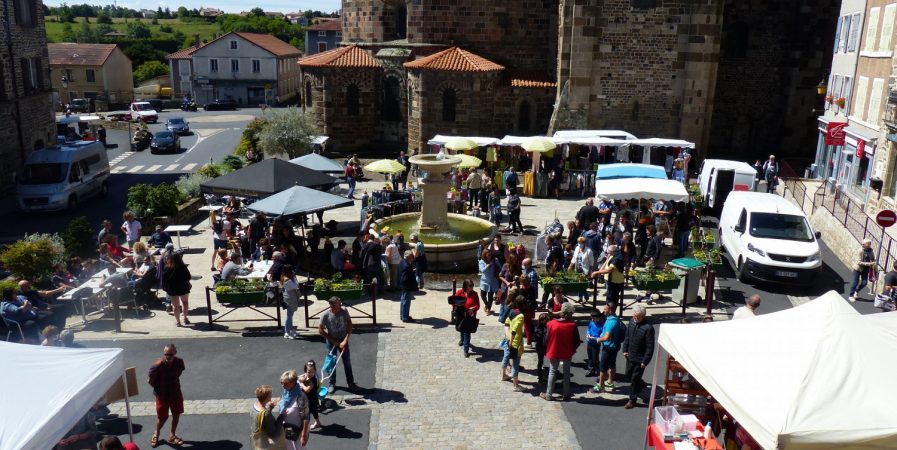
(454, 59)
(186, 53)
(79, 54)
(327, 25)
(531, 79)
(271, 44)
(342, 57)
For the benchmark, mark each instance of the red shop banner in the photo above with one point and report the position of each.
(861, 148)
(834, 133)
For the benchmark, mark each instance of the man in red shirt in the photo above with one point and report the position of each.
(562, 340)
(165, 378)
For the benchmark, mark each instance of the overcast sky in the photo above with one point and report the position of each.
(231, 6)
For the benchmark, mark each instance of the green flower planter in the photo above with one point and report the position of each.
(242, 298)
(352, 294)
(655, 285)
(568, 287)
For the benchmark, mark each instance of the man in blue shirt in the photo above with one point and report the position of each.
(593, 348)
(55, 313)
(160, 238)
(29, 316)
(612, 335)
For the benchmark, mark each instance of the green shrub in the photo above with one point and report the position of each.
(154, 201)
(9, 284)
(210, 170)
(138, 198)
(189, 185)
(79, 238)
(233, 162)
(34, 256)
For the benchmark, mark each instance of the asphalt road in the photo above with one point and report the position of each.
(214, 135)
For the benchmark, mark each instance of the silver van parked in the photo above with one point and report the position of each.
(60, 177)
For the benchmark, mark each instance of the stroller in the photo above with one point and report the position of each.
(327, 371)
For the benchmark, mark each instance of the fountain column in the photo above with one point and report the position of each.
(435, 185)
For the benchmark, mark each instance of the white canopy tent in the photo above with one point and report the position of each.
(481, 141)
(68, 383)
(511, 141)
(658, 142)
(816, 376)
(576, 134)
(648, 188)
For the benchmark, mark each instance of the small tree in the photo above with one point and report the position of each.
(34, 256)
(287, 132)
(232, 162)
(79, 238)
(149, 70)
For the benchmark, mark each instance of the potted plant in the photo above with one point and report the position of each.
(841, 101)
(240, 291)
(653, 280)
(569, 281)
(711, 257)
(709, 240)
(336, 286)
(696, 240)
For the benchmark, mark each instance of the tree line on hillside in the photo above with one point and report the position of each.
(68, 13)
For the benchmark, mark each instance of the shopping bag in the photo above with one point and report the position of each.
(884, 302)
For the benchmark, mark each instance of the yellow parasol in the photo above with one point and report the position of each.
(538, 145)
(468, 162)
(460, 144)
(385, 166)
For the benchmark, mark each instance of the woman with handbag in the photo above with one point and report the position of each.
(290, 300)
(508, 277)
(466, 316)
(489, 283)
(293, 411)
(265, 429)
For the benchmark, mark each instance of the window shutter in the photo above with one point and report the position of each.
(837, 35)
(887, 28)
(855, 25)
(846, 92)
(872, 30)
(859, 110)
(845, 32)
(878, 86)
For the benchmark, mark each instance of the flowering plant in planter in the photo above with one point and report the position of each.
(829, 98)
(840, 101)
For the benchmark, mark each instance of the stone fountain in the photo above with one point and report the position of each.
(450, 240)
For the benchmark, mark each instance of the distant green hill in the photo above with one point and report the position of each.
(204, 29)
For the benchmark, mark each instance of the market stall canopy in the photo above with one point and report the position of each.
(385, 166)
(299, 200)
(461, 144)
(319, 163)
(38, 416)
(516, 141)
(648, 188)
(267, 177)
(481, 141)
(630, 170)
(468, 162)
(657, 142)
(792, 378)
(577, 134)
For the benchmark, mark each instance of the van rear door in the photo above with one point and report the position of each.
(725, 183)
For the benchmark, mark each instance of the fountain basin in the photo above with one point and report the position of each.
(448, 250)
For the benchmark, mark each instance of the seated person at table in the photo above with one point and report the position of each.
(120, 280)
(75, 266)
(62, 277)
(264, 250)
(160, 238)
(147, 278)
(89, 268)
(105, 259)
(233, 205)
(276, 267)
(116, 250)
(234, 267)
(139, 249)
(221, 258)
(26, 312)
(289, 255)
(235, 226)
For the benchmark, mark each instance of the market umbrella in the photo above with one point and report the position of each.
(267, 177)
(320, 163)
(538, 145)
(460, 144)
(299, 200)
(385, 166)
(468, 162)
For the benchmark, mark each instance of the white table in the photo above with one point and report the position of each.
(215, 208)
(177, 229)
(259, 270)
(94, 285)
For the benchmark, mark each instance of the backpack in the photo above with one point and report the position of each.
(218, 226)
(619, 333)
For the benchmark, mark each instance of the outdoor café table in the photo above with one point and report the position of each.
(655, 439)
(177, 229)
(216, 208)
(94, 285)
(259, 269)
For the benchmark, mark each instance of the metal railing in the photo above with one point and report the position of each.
(849, 213)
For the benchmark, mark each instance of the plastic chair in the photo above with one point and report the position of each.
(10, 323)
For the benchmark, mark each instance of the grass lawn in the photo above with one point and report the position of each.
(205, 30)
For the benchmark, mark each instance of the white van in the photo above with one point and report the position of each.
(144, 112)
(719, 177)
(768, 238)
(60, 177)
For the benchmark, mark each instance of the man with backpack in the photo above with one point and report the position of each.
(612, 335)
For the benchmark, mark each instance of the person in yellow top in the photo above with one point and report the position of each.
(614, 268)
(514, 334)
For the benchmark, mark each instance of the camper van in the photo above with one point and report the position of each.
(719, 177)
(60, 177)
(769, 238)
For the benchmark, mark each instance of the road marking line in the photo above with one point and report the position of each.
(153, 168)
(189, 166)
(171, 167)
(199, 139)
(797, 301)
(135, 169)
(118, 169)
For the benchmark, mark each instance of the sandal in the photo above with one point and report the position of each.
(187, 321)
(175, 440)
(154, 440)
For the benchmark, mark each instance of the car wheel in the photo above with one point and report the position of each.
(104, 189)
(73, 203)
(742, 271)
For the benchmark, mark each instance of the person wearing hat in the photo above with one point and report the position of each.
(771, 174)
(160, 238)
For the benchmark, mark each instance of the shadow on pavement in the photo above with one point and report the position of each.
(339, 431)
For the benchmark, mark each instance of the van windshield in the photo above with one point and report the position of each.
(44, 173)
(143, 107)
(780, 226)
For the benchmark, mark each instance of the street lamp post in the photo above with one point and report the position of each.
(65, 85)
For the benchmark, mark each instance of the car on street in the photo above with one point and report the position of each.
(165, 141)
(221, 105)
(144, 112)
(177, 125)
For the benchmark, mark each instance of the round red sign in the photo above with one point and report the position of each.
(886, 218)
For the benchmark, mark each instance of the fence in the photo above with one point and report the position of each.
(847, 212)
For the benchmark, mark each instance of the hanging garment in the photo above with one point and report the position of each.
(491, 155)
(623, 154)
(637, 154)
(529, 184)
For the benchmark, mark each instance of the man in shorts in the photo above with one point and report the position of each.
(165, 378)
(336, 327)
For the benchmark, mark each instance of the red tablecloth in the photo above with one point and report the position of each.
(655, 439)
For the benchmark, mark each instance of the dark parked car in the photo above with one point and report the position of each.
(80, 105)
(178, 125)
(221, 105)
(165, 141)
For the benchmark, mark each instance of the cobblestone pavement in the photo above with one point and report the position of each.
(220, 406)
(460, 403)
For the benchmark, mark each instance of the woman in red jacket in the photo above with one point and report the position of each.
(471, 306)
(562, 340)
